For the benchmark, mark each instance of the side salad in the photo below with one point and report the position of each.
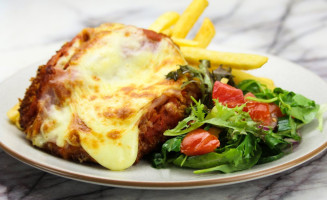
(234, 127)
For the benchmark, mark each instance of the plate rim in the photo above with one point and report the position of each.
(189, 184)
(167, 185)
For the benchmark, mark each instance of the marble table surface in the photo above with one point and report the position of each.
(295, 30)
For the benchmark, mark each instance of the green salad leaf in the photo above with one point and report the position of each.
(290, 103)
(244, 156)
(203, 77)
(159, 160)
(296, 105)
(221, 116)
(299, 109)
(190, 123)
(322, 110)
(256, 88)
(236, 155)
(243, 142)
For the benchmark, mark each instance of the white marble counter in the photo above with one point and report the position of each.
(33, 30)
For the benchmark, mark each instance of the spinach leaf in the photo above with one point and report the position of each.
(159, 160)
(256, 88)
(173, 144)
(275, 141)
(270, 158)
(296, 105)
(284, 125)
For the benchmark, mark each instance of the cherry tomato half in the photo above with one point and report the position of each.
(259, 112)
(275, 110)
(227, 95)
(199, 142)
(266, 113)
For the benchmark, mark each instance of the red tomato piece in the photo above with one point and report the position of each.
(199, 142)
(275, 110)
(259, 112)
(227, 95)
(249, 94)
(266, 113)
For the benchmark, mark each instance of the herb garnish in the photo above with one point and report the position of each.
(203, 77)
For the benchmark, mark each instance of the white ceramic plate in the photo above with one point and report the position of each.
(285, 74)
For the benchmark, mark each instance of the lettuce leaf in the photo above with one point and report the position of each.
(238, 121)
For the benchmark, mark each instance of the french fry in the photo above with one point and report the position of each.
(205, 33)
(165, 21)
(240, 75)
(189, 17)
(233, 60)
(185, 42)
(167, 31)
(14, 115)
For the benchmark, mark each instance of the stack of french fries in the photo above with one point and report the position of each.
(178, 26)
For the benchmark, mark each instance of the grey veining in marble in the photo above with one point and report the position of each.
(295, 30)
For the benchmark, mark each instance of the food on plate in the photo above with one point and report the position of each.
(108, 95)
(234, 127)
(240, 75)
(104, 97)
(13, 115)
(227, 59)
(206, 33)
(164, 22)
(185, 43)
(188, 18)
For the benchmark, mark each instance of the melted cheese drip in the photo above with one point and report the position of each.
(113, 82)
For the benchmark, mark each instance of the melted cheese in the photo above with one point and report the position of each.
(112, 81)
